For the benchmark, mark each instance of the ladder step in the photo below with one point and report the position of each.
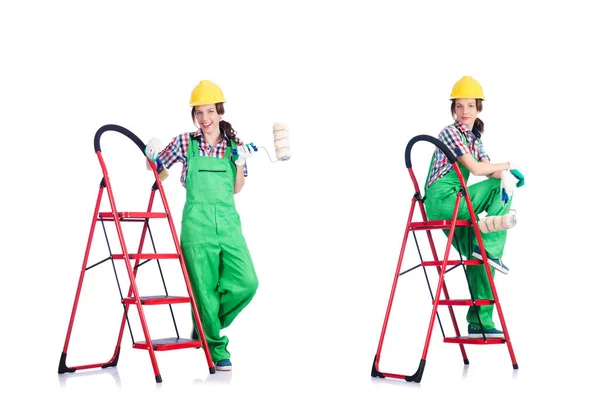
(438, 224)
(158, 300)
(466, 302)
(131, 216)
(473, 262)
(146, 256)
(475, 341)
(169, 344)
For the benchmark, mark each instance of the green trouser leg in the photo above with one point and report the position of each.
(238, 279)
(202, 263)
(220, 300)
(485, 197)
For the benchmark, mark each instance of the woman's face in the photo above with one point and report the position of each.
(207, 118)
(466, 111)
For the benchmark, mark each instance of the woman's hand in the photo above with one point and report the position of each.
(243, 152)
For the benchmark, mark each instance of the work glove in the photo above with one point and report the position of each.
(241, 153)
(517, 174)
(508, 183)
(152, 149)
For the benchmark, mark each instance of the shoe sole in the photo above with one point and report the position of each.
(223, 368)
(492, 263)
(487, 336)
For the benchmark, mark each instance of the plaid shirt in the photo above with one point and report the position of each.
(177, 151)
(460, 140)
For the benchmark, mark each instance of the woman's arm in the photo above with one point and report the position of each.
(240, 179)
(483, 167)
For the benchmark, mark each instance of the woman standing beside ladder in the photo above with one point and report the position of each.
(218, 262)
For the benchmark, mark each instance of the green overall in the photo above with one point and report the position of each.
(219, 265)
(485, 197)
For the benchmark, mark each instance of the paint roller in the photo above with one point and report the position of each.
(281, 143)
(496, 223)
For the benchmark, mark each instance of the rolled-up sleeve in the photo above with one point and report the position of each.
(454, 140)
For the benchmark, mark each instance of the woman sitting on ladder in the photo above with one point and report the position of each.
(493, 196)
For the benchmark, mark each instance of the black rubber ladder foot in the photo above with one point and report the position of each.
(212, 370)
(374, 371)
(62, 365)
(466, 361)
(418, 374)
(158, 379)
(115, 360)
(515, 366)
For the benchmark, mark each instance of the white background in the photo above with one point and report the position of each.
(354, 81)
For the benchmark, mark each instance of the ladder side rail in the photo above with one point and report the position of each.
(119, 229)
(393, 290)
(477, 232)
(464, 194)
(453, 160)
(62, 364)
(441, 269)
(488, 272)
(416, 197)
(201, 335)
(487, 266)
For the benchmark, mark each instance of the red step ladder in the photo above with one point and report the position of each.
(134, 261)
(442, 267)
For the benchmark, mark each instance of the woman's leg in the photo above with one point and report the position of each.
(485, 197)
(202, 263)
(238, 282)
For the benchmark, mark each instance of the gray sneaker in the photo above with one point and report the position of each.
(495, 263)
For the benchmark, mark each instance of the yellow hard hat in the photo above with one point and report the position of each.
(206, 93)
(467, 88)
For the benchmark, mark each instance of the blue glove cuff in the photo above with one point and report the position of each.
(505, 197)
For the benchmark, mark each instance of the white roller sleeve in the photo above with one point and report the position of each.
(281, 141)
(496, 223)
